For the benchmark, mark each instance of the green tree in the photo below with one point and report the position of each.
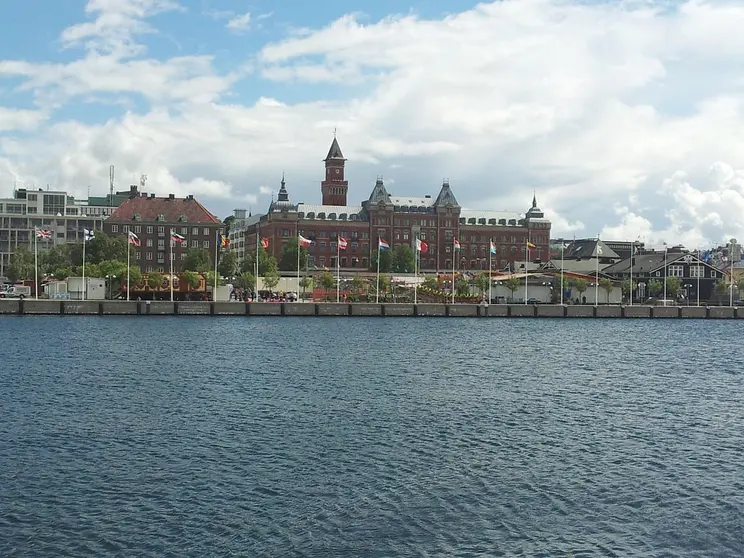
(402, 260)
(197, 259)
(580, 285)
(305, 283)
(91, 270)
(135, 276)
(249, 261)
(21, 265)
(562, 281)
(655, 287)
(482, 282)
(673, 286)
(228, 221)
(384, 284)
(54, 258)
(606, 285)
(100, 248)
(740, 285)
(628, 287)
(386, 261)
(228, 263)
(512, 283)
(721, 287)
(271, 279)
(430, 283)
(288, 260)
(327, 281)
(154, 280)
(246, 280)
(191, 278)
(63, 273)
(462, 286)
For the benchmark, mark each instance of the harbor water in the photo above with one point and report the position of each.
(181, 436)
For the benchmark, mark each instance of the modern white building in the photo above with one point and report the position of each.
(55, 211)
(237, 233)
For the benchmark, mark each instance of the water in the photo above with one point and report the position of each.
(370, 437)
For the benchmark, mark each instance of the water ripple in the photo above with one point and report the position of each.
(379, 437)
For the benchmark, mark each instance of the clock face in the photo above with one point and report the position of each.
(338, 171)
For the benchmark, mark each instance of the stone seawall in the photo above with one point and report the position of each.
(331, 309)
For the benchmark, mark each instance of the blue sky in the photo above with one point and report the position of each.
(625, 118)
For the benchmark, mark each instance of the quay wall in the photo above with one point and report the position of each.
(331, 309)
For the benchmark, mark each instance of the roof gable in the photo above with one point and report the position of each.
(173, 210)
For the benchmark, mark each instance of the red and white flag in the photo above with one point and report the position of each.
(421, 246)
(304, 241)
(457, 244)
(175, 237)
(342, 243)
(264, 243)
(133, 239)
(41, 233)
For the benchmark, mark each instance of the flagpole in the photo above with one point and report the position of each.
(699, 271)
(454, 260)
(36, 265)
(490, 269)
(526, 257)
(298, 263)
(630, 288)
(563, 250)
(596, 276)
(256, 262)
(666, 251)
(216, 255)
(415, 269)
(338, 268)
(84, 289)
(171, 264)
(377, 291)
(129, 246)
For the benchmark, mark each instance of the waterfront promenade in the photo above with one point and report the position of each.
(309, 309)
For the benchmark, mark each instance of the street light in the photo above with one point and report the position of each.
(687, 287)
(109, 279)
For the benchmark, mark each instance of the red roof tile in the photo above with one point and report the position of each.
(171, 209)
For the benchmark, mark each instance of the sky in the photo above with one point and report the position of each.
(625, 118)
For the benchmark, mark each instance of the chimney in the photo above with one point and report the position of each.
(427, 196)
(152, 196)
(190, 197)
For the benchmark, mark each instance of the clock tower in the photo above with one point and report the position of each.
(334, 187)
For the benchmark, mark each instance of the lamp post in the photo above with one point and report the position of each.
(687, 287)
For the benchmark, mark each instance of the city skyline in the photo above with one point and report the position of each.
(623, 117)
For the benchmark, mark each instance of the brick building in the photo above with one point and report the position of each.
(399, 219)
(151, 219)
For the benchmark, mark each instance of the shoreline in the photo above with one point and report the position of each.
(331, 309)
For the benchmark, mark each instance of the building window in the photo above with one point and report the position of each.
(206, 231)
(148, 256)
(195, 244)
(149, 242)
(148, 269)
(697, 271)
(137, 255)
(149, 229)
(137, 229)
(195, 231)
(161, 231)
(206, 243)
(161, 243)
(184, 230)
(125, 228)
(114, 228)
(676, 271)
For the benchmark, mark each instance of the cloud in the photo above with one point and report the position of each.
(19, 119)
(626, 118)
(239, 22)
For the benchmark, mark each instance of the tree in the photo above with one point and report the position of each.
(563, 282)
(512, 283)
(228, 221)
(721, 286)
(63, 273)
(54, 258)
(271, 279)
(191, 278)
(462, 286)
(580, 285)
(431, 283)
(247, 280)
(91, 270)
(482, 281)
(197, 259)
(358, 284)
(327, 281)
(228, 263)
(740, 285)
(21, 265)
(384, 284)
(607, 286)
(100, 248)
(154, 280)
(288, 260)
(386, 261)
(249, 262)
(673, 286)
(402, 259)
(135, 276)
(628, 287)
(305, 283)
(655, 287)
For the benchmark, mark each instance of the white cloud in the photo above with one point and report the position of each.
(239, 22)
(626, 118)
(19, 119)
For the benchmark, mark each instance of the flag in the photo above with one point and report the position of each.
(530, 246)
(342, 242)
(40, 233)
(304, 241)
(264, 243)
(222, 240)
(88, 234)
(133, 239)
(493, 248)
(175, 237)
(422, 247)
(382, 244)
(457, 244)
(599, 250)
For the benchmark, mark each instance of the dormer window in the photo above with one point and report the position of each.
(137, 217)
(161, 218)
(182, 219)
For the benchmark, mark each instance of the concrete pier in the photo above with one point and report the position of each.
(311, 309)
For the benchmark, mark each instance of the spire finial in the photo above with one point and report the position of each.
(334, 132)
(534, 198)
(282, 178)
